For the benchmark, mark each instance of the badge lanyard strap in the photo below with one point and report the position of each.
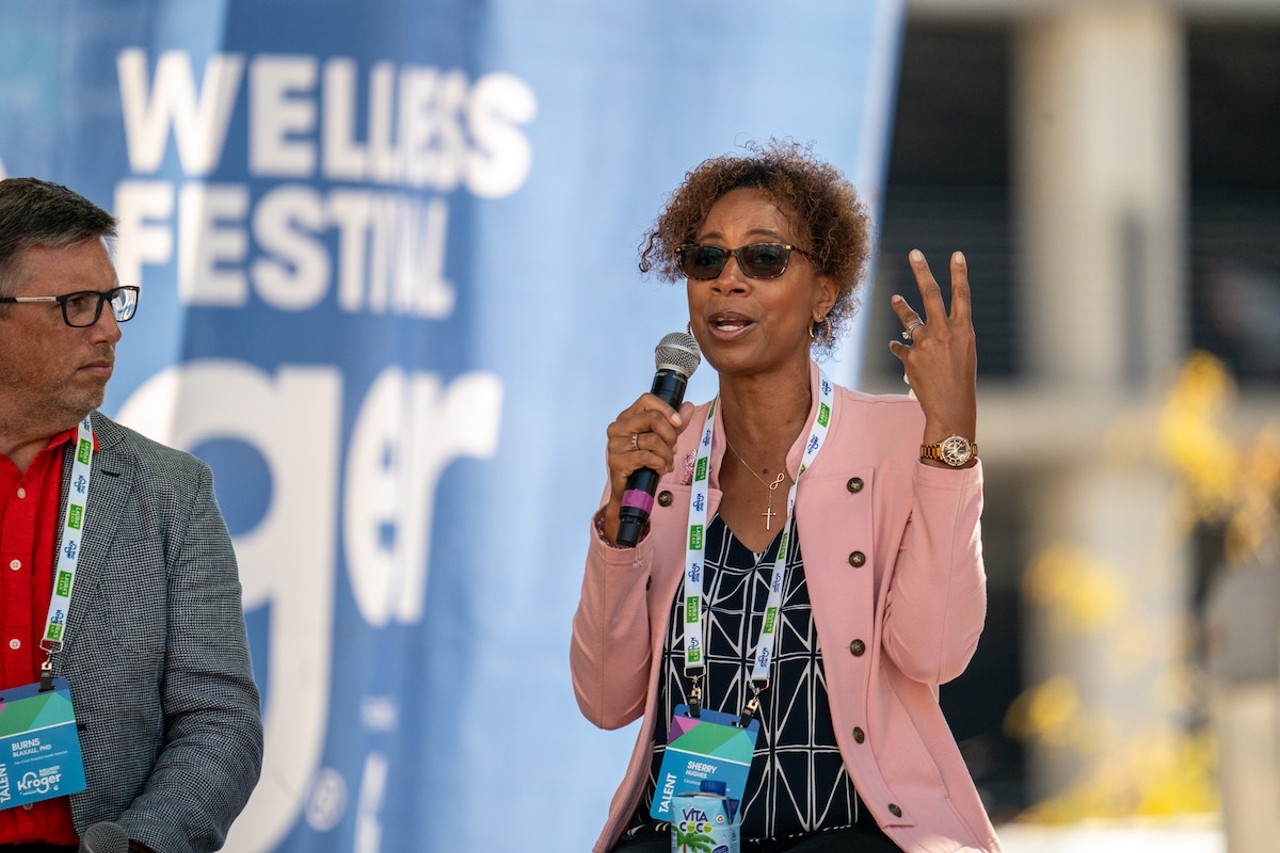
(68, 551)
(695, 547)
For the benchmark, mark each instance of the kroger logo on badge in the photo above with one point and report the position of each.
(40, 783)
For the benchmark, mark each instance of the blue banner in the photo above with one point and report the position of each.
(388, 259)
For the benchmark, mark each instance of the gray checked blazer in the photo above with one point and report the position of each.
(156, 652)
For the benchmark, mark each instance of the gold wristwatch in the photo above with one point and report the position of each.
(954, 450)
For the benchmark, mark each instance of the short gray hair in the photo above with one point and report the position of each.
(39, 213)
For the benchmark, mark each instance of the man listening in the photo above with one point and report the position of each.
(120, 608)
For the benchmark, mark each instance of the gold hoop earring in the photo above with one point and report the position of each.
(823, 323)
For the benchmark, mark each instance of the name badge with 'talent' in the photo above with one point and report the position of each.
(39, 747)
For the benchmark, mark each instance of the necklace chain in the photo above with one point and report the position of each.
(768, 513)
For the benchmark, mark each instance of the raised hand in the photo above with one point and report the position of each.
(940, 357)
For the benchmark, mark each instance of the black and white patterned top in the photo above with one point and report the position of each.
(798, 783)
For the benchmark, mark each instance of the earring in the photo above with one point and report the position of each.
(823, 323)
(688, 328)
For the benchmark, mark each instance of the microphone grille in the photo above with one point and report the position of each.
(105, 837)
(679, 352)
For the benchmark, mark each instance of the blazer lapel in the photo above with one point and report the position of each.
(110, 482)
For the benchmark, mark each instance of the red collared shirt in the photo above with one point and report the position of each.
(29, 531)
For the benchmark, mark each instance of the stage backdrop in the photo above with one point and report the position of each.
(387, 251)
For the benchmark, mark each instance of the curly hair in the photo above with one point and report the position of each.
(832, 224)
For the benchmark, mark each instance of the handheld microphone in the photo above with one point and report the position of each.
(676, 356)
(105, 837)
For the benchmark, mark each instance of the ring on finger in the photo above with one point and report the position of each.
(635, 441)
(906, 333)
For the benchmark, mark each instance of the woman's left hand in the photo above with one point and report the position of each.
(941, 361)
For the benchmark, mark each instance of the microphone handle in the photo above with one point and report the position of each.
(637, 496)
(668, 386)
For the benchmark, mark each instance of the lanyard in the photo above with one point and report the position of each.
(695, 546)
(68, 548)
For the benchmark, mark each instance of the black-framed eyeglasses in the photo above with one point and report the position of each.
(758, 260)
(82, 308)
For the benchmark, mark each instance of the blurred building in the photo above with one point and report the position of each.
(1111, 170)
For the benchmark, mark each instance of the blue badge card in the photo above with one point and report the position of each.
(39, 747)
(709, 746)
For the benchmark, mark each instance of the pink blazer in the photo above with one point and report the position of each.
(893, 558)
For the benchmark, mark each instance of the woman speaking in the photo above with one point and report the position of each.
(812, 568)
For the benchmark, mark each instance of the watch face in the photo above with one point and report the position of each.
(955, 450)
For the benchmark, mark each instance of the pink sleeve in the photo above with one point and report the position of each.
(610, 652)
(937, 603)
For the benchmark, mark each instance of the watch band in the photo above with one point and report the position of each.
(954, 450)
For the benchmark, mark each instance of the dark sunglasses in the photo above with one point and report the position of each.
(757, 260)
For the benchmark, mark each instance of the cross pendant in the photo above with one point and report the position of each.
(768, 517)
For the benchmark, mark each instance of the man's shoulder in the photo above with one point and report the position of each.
(116, 439)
